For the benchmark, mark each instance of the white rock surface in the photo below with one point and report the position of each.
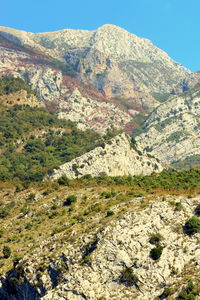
(115, 158)
(172, 131)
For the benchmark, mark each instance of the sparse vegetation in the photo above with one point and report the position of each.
(128, 277)
(188, 293)
(155, 239)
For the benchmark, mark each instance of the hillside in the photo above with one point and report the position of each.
(93, 238)
(172, 131)
(35, 142)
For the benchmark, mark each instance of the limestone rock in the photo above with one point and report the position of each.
(172, 131)
(91, 114)
(114, 158)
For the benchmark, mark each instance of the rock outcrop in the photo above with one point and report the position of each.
(125, 243)
(91, 268)
(91, 114)
(172, 131)
(114, 158)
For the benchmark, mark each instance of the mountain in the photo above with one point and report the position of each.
(88, 211)
(108, 65)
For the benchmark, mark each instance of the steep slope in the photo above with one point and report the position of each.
(114, 158)
(124, 246)
(172, 131)
(91, 114)
(100, 245)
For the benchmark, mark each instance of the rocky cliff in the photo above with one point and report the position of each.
(172, 131)
(114, 158)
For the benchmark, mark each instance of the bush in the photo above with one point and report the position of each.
(63, 180)
(155, 239)
(192, 225)
(31, 197)
(128, 277)
(168, 291)
(156, 252)
(70, 199)
(197, 210)
(47, 192)
(188, 293)
(109, 213)
(107, 195)
(6, 252)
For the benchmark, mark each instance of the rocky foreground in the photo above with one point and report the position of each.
(95, 266)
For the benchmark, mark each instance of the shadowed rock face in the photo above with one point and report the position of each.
(116, 158)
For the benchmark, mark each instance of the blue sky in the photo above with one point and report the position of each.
(172, 25)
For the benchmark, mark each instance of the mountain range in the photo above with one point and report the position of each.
(97, 131)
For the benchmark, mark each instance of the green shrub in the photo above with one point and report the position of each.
(156, 252)
(192, 225)
(47, 192)
(31, 197)
(63, 180)
(155, 239)
(168, 291)
(24, 210)
(128, 277)
(178, 206)
(109, 213)
(197, 210)
(107, 195)
(28, 226)
(188, 293)
(70, 199)
(6, 252)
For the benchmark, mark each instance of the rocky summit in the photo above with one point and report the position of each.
(108, 64)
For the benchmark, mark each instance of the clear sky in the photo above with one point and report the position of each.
(172, 25)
